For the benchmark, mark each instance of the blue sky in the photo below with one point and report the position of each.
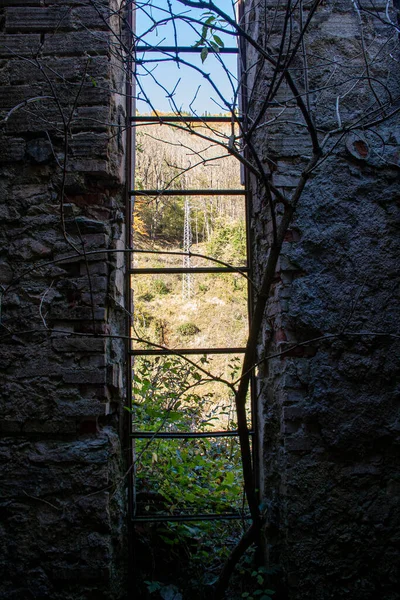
(192, 91)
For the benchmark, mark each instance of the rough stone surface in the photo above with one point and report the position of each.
(328, 409)
(62, 377)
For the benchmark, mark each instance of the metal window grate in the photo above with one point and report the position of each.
(183, 119)
(132, 193)
(162, 518)
(183, 49)
(206, 192)
(186, 351)
(184, 435)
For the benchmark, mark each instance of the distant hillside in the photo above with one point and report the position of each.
(216, 312)
(170, 158)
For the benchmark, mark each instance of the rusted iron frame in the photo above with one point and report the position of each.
(171, 270)
(181, 119)
(170, 192)
(191, 518)
(184, 435)
(188, 351)
(184, 49)
(183, 351)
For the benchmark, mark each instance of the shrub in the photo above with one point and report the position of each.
(146, 297)
(187, 329)
(160, 287)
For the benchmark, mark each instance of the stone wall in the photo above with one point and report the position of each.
(328, 408)
(62, 465)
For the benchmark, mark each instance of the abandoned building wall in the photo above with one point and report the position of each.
(328, 409)
(62, 467)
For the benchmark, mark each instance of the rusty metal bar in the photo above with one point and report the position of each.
(182, 119)
(171, 270)
(185, 49)
(183, 435)
(188, 518)
(210, 192)
(185, 351)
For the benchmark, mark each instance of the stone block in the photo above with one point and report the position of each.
(6, 273)
(98, 361)
(89, 18)
(95, 268)
(15, 45)
(297, 444)
(67, 94)
(293, 413)
(98, 167)
(114, 376)
(79, 344)
(89, 145)
(40, 151)
(80, 408)
(94, 43)
(21, 3)
(38, 120)
(338, 26)
(38, 19)
(48, 426)
(85, 376)
(60, 69)
(97, 299)
(88, 226)
(93, 118)
(77, 313)
(64, 259)
(11, 149)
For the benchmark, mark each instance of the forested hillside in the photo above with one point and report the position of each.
(215, 312)
(169, 158)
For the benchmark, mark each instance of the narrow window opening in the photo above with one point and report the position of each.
(190, 283)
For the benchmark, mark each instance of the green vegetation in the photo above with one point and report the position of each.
(184, 476)
(160, 287)
(228, 242)
(188, 329)
(182, 560)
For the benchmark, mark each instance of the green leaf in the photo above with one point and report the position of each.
(153, 586)
(218, 40)
(204, 54)
(229, 478)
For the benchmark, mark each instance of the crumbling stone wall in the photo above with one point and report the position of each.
(328, 408)
(62, 463)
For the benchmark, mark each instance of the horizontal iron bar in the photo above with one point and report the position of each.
(177, 435)
(183, 351)
(211, 192)
(188, 518)
(182, 119)
(185, 49)
(167, 270)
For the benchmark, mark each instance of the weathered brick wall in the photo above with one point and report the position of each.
(62, 500)
(329, 409)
